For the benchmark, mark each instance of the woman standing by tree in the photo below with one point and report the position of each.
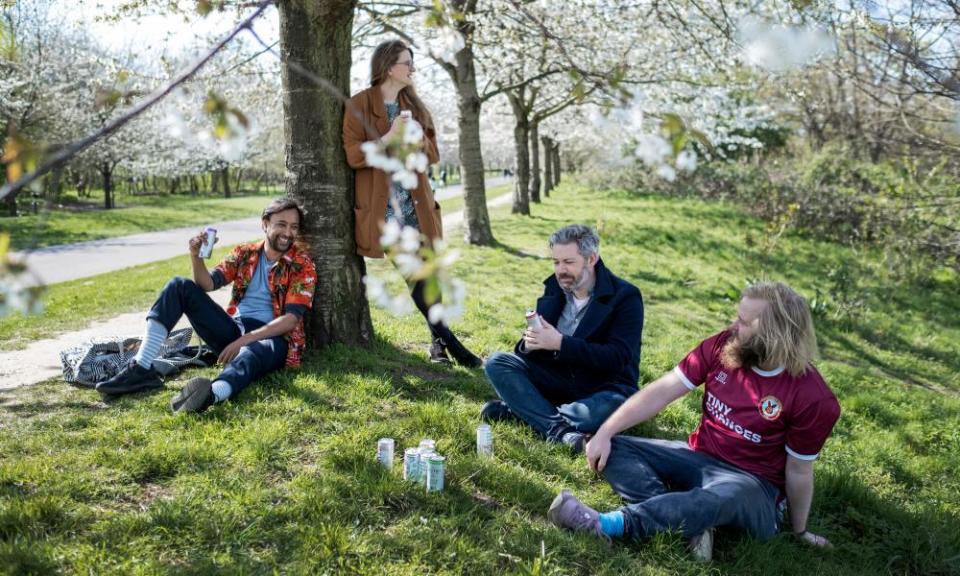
(373, 115)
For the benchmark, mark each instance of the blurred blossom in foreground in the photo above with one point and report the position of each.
(782, 47)
(447, 44)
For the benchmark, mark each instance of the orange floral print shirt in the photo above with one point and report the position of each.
(291, 282)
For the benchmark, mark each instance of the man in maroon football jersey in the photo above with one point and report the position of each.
(766, 414)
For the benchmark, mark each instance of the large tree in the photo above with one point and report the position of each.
(316, 34)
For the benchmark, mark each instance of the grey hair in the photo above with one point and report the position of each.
(588, 243)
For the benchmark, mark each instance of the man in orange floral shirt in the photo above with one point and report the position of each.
(260, 331)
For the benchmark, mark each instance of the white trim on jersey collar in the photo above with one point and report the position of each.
(768, 373)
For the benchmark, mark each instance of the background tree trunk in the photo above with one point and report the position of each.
(547, 166)
(535, 162)
(477, 229)
(521, 135)
(106, 172)
(225, 180)
(317, 35)
(556, 164)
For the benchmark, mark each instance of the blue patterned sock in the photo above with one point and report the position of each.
(222, 390)
(154, 336)
(611, 523)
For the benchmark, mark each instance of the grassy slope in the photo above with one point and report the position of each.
(73, 305)
(284, 478)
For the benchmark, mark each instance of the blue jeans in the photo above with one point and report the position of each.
(549, 400)
(671, 487)
(214, 326)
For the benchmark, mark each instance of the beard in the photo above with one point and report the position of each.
(743, 353)
(280, 243)
(575, 281)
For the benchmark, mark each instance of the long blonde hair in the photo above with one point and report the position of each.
(785, 328)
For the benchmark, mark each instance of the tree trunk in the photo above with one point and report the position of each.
(556, 164)
(11, 202)
(535, 162)
(547, 166)
(106, 172)
(239, 179)
(225, 180)
(521, 136)
(317, 35)
(214, 183)
(476, 218)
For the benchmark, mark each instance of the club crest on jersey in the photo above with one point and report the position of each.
(770, 408)
(721, 378)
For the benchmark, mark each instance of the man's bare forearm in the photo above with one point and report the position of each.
(644, 405)
(200, 273)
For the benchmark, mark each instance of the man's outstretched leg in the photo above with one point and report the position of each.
(180, 296)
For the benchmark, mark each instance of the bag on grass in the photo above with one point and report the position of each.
(99, 359)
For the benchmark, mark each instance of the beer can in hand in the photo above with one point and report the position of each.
(533, 319)
(385, 452)
(206, 249)
(484, 441)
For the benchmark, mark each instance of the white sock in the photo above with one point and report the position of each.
(154, 336)
(222, 390)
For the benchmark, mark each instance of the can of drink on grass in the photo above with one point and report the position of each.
(533, 319)
(435, 473)
(484, 441)
(385, 452)
(206, 249)
(411, 464)
(424, 463)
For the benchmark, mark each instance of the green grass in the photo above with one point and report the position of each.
(137, 214)
(283, 479)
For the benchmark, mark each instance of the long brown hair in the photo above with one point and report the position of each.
(385, 56)
(785, 335)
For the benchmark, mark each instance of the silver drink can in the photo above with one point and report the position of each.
(411, 464)
(206, 249)
(435, 473)
(385, 452)
(424, 463)
(484, 441)
(533, 319)
(428, 444)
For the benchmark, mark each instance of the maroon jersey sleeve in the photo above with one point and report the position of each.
(810, 427)
(693, 369)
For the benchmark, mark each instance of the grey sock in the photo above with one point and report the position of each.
(154, 336)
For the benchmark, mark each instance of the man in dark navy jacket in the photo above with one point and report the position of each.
(565, 378)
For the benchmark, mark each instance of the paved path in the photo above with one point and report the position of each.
(71, 261)
(41, 359)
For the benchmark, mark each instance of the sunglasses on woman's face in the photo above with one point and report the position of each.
(408, 64)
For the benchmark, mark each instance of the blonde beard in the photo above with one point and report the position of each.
(737, 353)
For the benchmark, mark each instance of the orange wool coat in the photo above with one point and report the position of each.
(373, 184)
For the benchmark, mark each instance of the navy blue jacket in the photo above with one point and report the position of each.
(604, 351)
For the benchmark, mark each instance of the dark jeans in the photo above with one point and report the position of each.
(437, 329)
(215, 327)
(549, 400)
(671, 487)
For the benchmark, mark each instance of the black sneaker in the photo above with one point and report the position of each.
(461, 355)
(196, 396)
(438, 352)
(133, 378)
(575, 441)
(497, 411)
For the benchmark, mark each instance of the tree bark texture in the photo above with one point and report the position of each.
(535, 162)
(556, 164)
(475, 215)
(316, 34)
(106, 172)
(547, 166)
(521, 135)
